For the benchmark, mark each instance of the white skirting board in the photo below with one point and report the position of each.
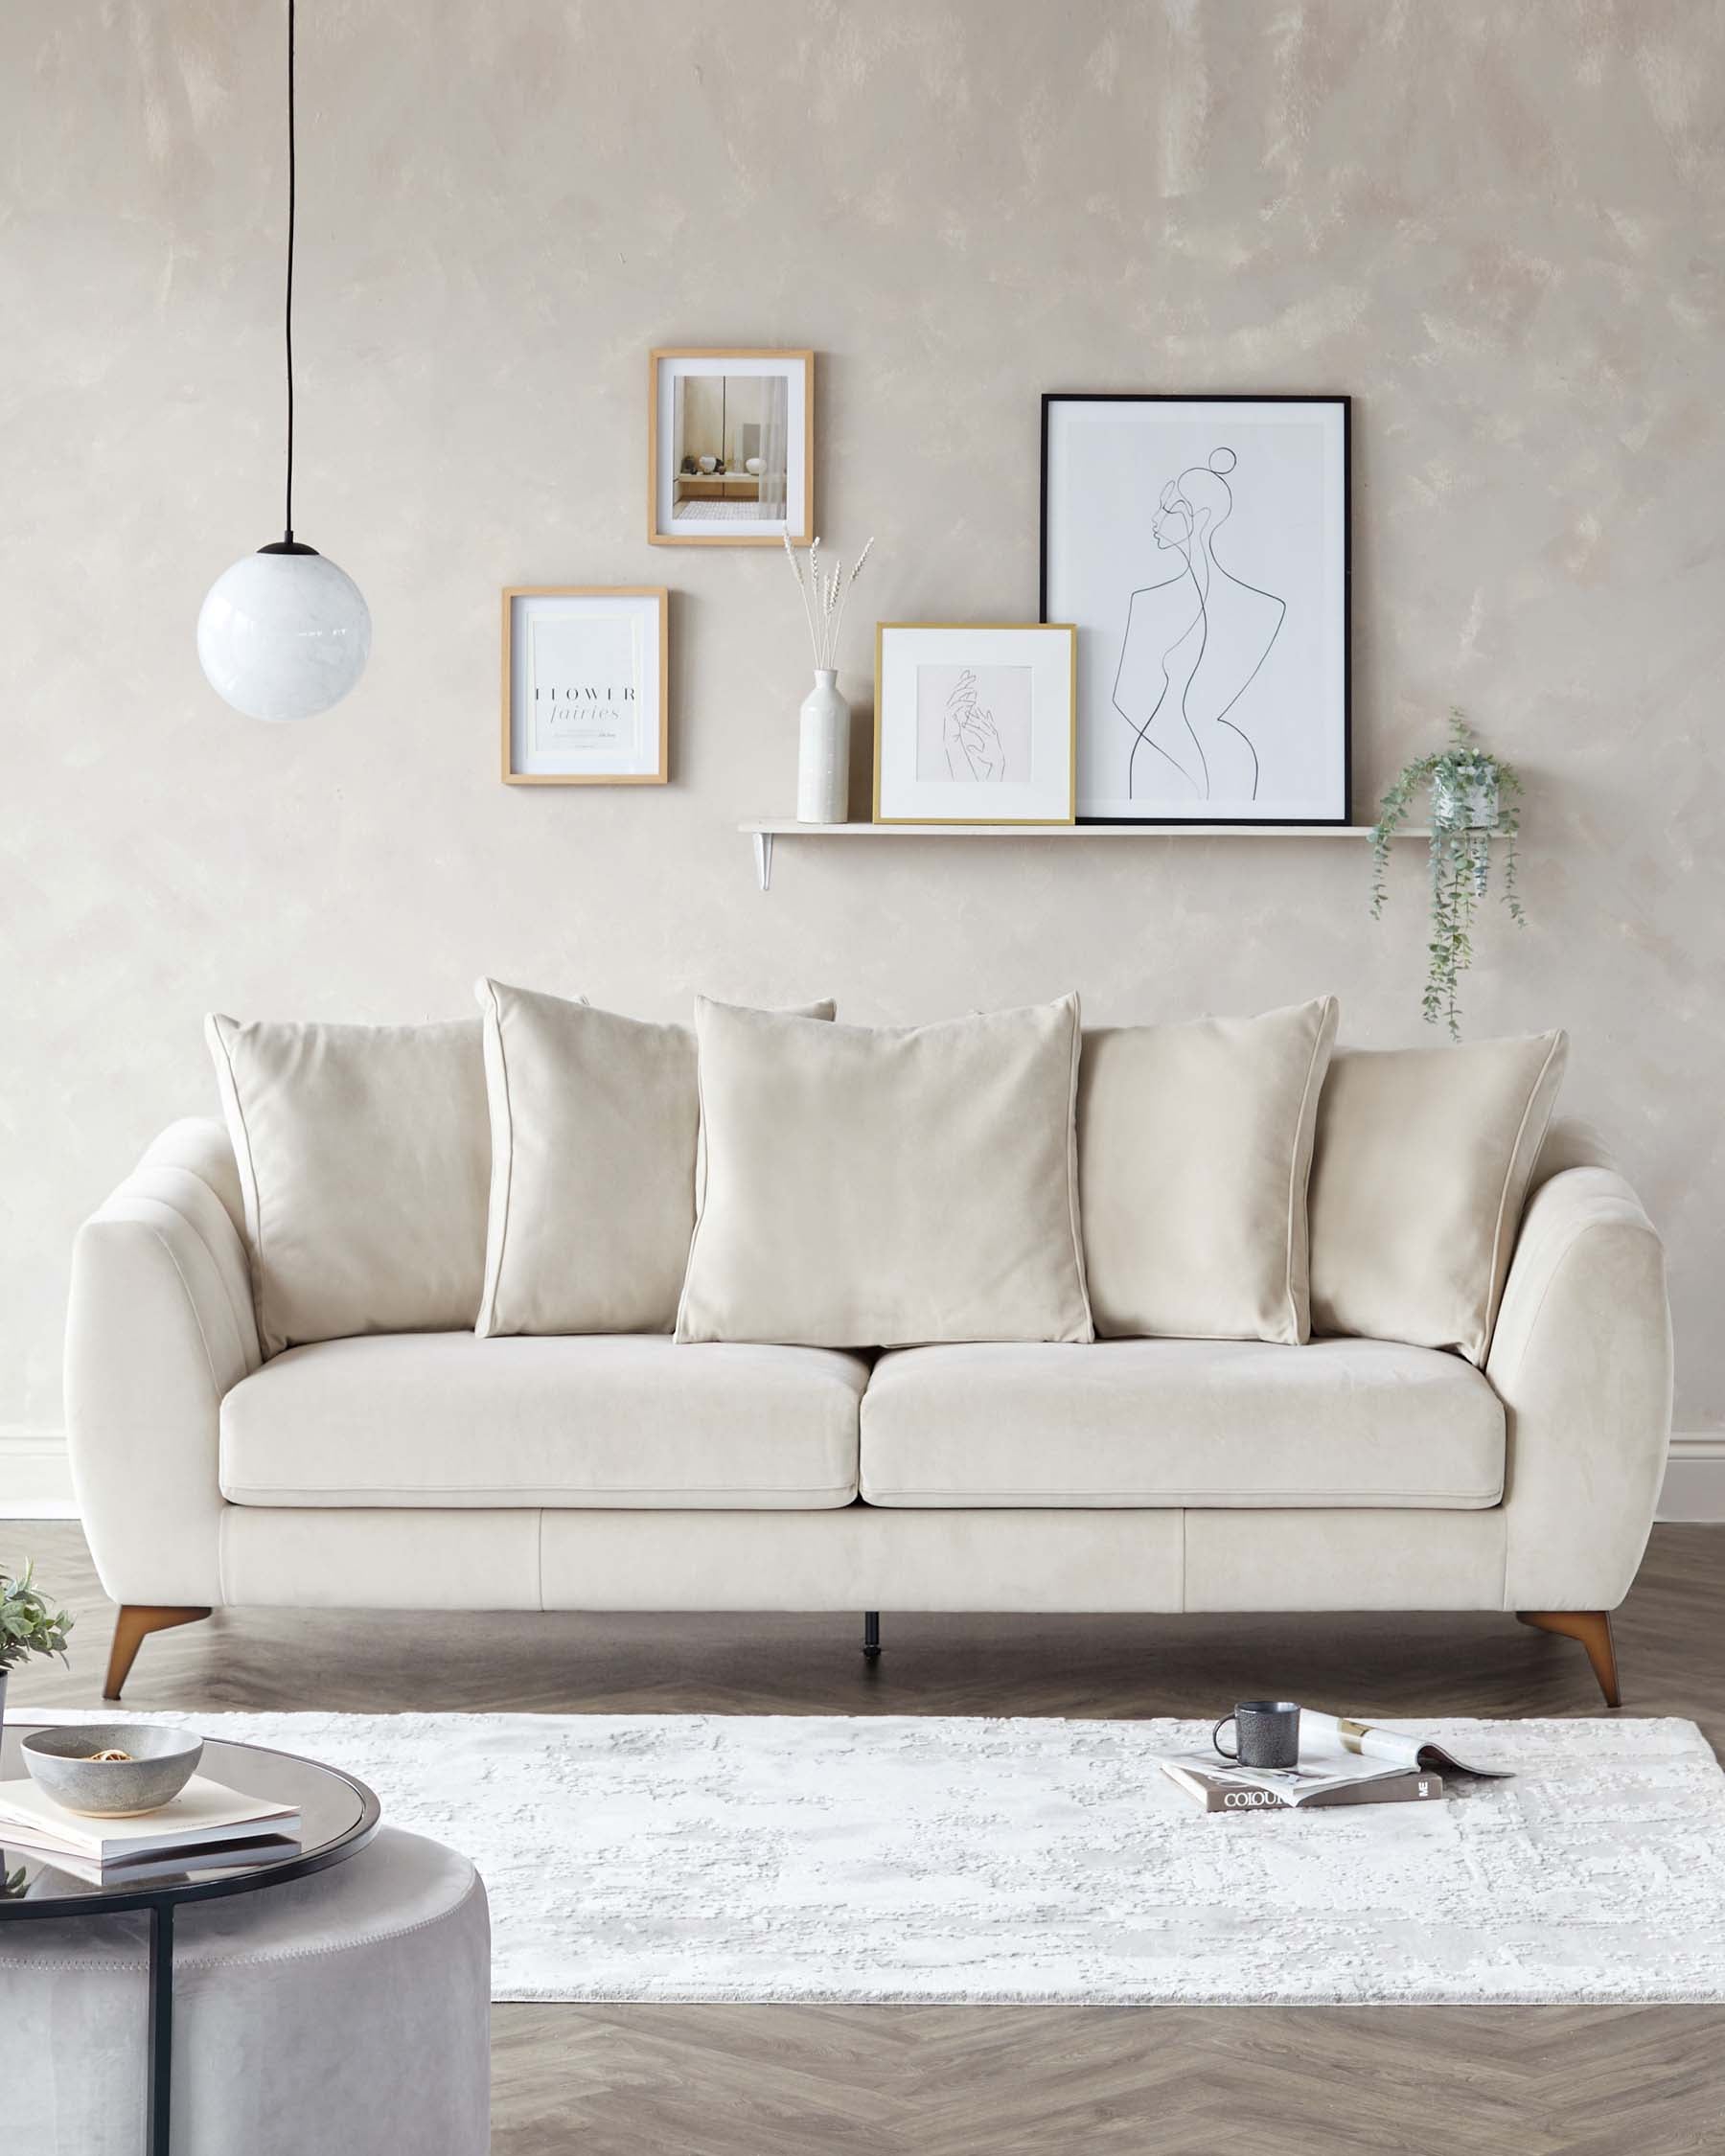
(35, 1482)
(1695, 1482)
(35, 1476)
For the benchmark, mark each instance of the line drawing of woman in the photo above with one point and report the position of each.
(1193, 645)
(974, 748)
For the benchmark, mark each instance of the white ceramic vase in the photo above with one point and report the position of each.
(823, 752)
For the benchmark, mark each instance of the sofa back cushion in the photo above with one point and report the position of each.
(1194, 1147)
(364, 1161)
(880, 1186)
(1419, 1177)
(593, 1137)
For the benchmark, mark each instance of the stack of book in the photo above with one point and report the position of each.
(1340, 1762)
(206, 1827)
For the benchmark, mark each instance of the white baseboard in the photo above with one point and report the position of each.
(1694, 1481)
(36, 1478)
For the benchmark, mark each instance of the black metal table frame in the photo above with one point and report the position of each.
(160, 1904)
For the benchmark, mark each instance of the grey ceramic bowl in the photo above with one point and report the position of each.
(162, 1762)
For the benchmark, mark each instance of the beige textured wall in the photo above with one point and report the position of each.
(1499, 227)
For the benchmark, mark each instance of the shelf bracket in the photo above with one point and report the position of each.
(763, 852)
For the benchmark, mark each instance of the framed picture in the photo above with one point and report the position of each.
(730, 448)
(974, 722)
(585, 685)
(1201, 545)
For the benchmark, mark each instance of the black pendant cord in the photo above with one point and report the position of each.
(292, 205)
(288, 543)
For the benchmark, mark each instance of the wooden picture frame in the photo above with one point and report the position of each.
(674, 496)
(591, 751)
(945, 742)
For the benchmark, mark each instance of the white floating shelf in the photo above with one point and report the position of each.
(765, 834)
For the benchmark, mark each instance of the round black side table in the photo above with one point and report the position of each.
(338, 1816)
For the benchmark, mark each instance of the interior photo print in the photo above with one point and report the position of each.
(880, 1317)
(732, 436)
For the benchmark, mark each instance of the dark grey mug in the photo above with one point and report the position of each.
(1266, 1733)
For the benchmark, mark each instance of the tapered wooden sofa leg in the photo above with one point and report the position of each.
(871, 1635)
(1593, 1628)
(134, 1624)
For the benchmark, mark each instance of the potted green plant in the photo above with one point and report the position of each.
(28, 1626)
(1475, 797)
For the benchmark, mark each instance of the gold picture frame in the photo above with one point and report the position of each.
(516, 750)
(1037, 758)
(728, 485)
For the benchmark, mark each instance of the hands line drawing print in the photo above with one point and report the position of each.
(974, 748)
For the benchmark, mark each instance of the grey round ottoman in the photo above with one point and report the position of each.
(345, 2013)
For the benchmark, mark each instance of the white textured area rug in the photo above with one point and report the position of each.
(741, 1857)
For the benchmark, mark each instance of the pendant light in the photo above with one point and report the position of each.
(285, 634)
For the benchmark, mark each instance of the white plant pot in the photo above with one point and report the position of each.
(1476, 808)
(823, 752)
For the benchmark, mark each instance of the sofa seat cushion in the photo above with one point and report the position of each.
(442, 1419)
(1181, 1422)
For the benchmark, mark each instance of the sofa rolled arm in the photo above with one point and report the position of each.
(1581, 1359)
(159, 1327)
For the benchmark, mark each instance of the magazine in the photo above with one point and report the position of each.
(1330, 1734)
(1339, 1759)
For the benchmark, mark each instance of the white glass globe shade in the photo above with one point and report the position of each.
(284, 636)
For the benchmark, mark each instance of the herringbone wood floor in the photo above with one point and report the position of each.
(1018, 2081)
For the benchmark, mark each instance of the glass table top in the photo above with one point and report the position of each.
(339, 1816)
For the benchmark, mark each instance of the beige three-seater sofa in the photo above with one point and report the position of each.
(441, 1471)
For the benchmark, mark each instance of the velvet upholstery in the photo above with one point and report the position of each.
(364, 1157)
(633, 1419)
(868, 1187)
(1581, 1360)
(159, 1336)
(348, 2011)
(159, 1329)
(1182, 1422)
(594, 1123)
(1423, 1161)
(1194, 1147)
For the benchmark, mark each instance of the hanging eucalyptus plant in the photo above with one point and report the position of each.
(1475, 796)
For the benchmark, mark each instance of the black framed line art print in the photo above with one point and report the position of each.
(1201, 546)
